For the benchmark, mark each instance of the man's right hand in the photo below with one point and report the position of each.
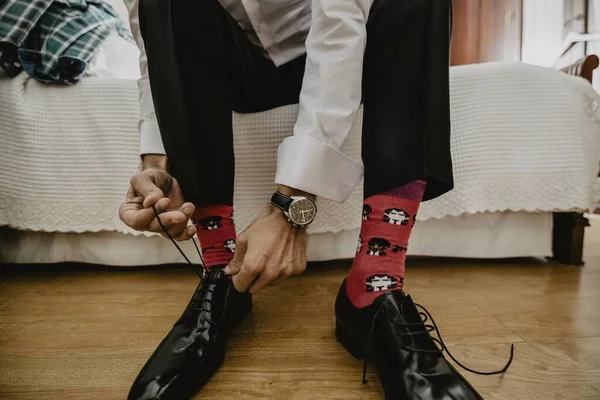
(155, 187)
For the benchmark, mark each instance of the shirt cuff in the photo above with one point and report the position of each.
(150, 139)
(308, 164)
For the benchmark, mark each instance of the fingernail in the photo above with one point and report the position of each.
(165, 201)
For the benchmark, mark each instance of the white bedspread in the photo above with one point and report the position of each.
(524, 138)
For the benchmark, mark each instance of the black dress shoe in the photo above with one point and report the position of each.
(195, 348)
(391, 334)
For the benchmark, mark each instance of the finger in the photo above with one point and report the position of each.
(238, 257)
(186, 234)
(131, 195)
(134, 216)
(144, 185)
(278, 281)
(140, 218)
(162, 205)
(282, 277)
(187, 209)
(299, 268)
(171, 220)
(264, 279)
(251, 268)
(153, 198)
(173, 232)
(131, 205)
(177, 229)
(131, 202)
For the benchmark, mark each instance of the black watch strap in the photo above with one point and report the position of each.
(282, 201)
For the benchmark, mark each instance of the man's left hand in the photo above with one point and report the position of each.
(267, 252)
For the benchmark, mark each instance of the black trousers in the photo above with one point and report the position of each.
(202, 67)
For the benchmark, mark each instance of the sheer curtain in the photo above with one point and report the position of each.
(594, 25)
(542, 31)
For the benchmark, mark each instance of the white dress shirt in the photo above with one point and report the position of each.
(332, 33)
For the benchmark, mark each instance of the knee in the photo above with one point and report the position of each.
(152, 14)
(162, 20)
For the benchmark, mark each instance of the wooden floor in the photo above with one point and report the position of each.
(83, 333)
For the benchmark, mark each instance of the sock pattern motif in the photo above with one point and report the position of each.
(216, 233)
(380, 258)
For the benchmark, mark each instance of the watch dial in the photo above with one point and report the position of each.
(302, 212)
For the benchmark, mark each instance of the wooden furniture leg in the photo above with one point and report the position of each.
(567, 237)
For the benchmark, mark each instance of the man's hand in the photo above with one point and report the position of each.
(155, 187)
(267, 252)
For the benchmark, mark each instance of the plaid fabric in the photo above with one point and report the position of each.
(53, 40)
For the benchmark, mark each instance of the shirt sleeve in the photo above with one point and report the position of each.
(310, 160)
(150, 139)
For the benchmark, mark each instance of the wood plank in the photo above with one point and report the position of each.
(84, 333)
(541, 370)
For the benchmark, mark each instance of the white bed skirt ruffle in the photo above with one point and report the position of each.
(485, 235)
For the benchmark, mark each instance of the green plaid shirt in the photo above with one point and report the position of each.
(54, 40)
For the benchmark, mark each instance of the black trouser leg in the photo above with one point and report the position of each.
(202, 67)
(406, 124)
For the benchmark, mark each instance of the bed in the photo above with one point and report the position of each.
(526, 150)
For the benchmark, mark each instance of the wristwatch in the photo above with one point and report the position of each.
(299, 210)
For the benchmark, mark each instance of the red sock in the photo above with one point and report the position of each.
(216, 232)
(388, 219)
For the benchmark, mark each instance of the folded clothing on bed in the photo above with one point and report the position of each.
(54, 40)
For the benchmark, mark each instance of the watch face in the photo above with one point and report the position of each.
(302, 211)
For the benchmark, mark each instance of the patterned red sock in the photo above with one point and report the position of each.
(216, 232)
(388, 219)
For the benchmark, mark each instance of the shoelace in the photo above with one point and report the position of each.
(199, 298)
(425, 316)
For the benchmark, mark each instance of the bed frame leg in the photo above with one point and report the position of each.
(567, 237)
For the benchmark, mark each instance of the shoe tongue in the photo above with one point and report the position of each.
(403, 312)
(215, 281)
(409, 310)
(410, 313)
(221, 285)
(215, 273)
(391, 299)
(397, 302)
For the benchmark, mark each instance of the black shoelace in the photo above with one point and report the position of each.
(199, 299)
(425, 315)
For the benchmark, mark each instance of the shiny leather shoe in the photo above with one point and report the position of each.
(392, 335)
(195, 348)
